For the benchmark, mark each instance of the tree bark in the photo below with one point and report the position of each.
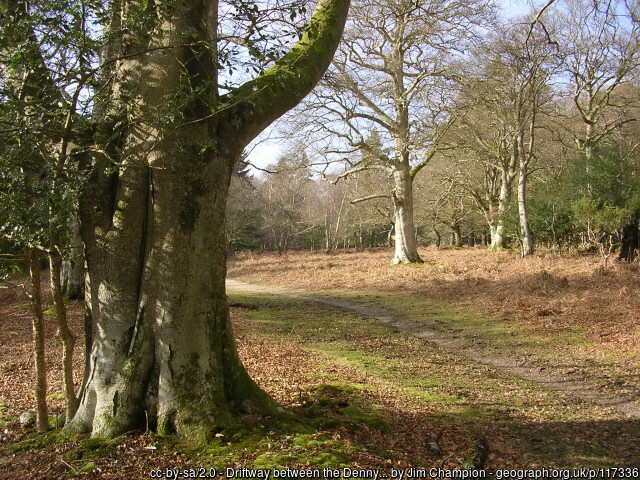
(160, 343)
(163, 347)
(73, 267)
(406, 250)
(40, 366)
(457, 236)
(525, 233)
(628, 241)
(497, 227)
(67, 338)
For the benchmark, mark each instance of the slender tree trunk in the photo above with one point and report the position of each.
(67, 338)
(525, 233)
(588, 143)
(406, 249)
(588, 149)
(42, 416)
(327, 242)
(338, 222)
(73, 267)
(457, 236)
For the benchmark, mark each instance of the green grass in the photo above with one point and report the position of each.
(458, 391)
(39, 441)
(88, 467)
(7, 420)
(19, 306)
(340, 336)
(498, 334)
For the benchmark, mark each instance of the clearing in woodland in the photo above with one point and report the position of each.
(564, 322)
(361, 394)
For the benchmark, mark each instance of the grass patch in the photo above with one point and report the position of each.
(471, 328)
(19, 306)
(458, 393)
(360, 417)
(88, 467)
(353, 340)
(92, 448)
(7, 420)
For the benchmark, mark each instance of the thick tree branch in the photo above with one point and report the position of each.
(260, 101)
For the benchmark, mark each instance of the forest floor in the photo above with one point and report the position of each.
(565, 323)
(364, 395)
(545, 311)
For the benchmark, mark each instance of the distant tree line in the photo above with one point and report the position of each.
(582, 205)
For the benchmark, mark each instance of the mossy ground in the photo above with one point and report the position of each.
(288, 440)
(356, 392)
(306, 435)
(566, 348)
(526, 423)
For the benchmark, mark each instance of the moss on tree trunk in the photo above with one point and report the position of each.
(161, 348)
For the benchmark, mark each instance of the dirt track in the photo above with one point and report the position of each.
(548, 378)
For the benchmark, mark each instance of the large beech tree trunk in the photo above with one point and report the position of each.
(160, 344)
(406, 249)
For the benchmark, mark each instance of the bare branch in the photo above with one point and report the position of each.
(369, 197)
